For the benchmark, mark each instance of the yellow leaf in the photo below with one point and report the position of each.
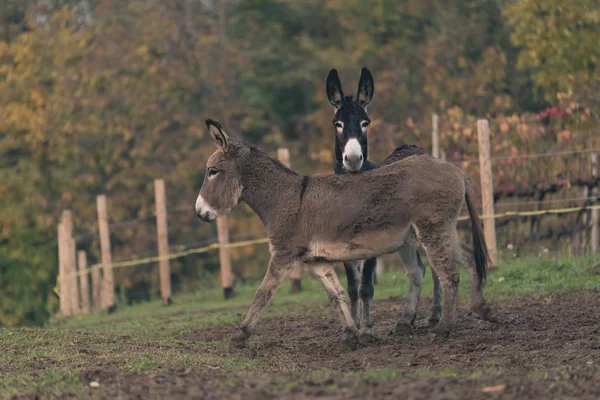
(496, 388)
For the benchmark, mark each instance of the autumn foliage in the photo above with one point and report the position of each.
(104, 96)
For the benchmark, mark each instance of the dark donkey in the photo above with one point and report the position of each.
(351, 155)
(320, 219)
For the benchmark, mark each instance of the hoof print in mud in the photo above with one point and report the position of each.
(486, 314)
(367, 338)
(402, 329)
(239, 344)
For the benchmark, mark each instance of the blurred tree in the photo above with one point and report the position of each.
(559, 40)
(103, 96)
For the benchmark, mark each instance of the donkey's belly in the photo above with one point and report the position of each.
(359, 247)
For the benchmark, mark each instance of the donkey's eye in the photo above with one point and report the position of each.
(212, 172)
(364, 124)
(338, 125)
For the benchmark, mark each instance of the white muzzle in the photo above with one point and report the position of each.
(353, 156)
(204, 211)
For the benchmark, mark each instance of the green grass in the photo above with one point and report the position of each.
(151, 337)
(515, 278)
(57, 382)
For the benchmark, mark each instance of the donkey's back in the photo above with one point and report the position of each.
(414, 179)
(354, 216)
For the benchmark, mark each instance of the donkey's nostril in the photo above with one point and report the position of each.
(361, 157)
(345, 158)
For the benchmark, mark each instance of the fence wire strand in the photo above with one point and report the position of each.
(527, 156)
(215, 245)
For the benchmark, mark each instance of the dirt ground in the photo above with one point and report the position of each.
(539, 349)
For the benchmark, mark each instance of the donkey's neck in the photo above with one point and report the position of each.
(270, 189)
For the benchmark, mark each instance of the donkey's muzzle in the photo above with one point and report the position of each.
(204, 211)
(353, 156)
(353, 163)
(206, 216)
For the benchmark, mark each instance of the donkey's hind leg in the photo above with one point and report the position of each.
(326, 275)
(436, 308)
(415, 271)
(366, 293)
(353, 277)
(439, 242)
(479, 304)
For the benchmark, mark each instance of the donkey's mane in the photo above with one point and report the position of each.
(263, 154)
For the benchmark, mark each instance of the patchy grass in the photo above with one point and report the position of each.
(543, 276)
(147, 338)
(538, 277)
(54, 382)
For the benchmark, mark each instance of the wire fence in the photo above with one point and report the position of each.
(528, 156)
(144, 231)
(215, 245)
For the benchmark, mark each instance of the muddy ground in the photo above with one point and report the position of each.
(539, 349)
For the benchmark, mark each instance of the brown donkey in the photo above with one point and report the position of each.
(310, 220)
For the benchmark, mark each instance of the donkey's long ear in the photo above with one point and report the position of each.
(217, 134)
(366, 88)
(334, 89)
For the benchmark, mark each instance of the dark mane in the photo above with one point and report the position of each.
(348, 99)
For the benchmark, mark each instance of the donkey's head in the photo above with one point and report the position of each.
(222, 188)
(351, 120)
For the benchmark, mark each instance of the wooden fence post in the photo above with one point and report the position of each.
(108, 283)
(435, 135)
(579, 238)
(63, 282)
(97, 289)
(69, 261)
(163, 240)
(73, 278)
(225, 256)
(595, 223)
(283, 155)
(487, 189)
(83, 281)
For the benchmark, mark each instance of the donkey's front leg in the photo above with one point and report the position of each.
(326, 275)
(353, 276)
(276, 273)
(366, 293)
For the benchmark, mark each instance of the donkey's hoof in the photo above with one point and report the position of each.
(486, 313)
(240, 338)
(366, 330)
(433, 320)
(441, 331)
(351, 338)
(365, 337)
(402, 328)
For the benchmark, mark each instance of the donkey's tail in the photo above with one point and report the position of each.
(480, 253)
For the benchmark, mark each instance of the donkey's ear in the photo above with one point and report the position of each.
(366, 88)
(217, 134)
(334, 89)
